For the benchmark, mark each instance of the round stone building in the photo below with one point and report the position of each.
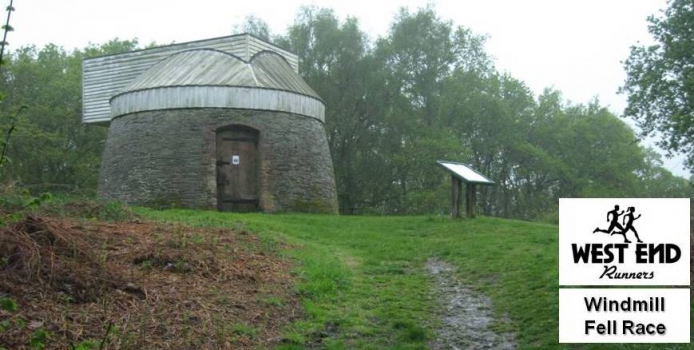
(225, 123)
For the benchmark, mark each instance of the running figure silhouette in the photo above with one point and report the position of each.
(614, 223)
(628, 221)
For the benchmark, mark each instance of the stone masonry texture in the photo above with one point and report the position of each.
(168, 158)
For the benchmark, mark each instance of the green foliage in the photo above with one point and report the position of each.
(38, 339)
(272, 300)
(325, 276)
(428, 91)
(8, 304)
(15, 203)
(255, 26)
(52, 150)
(115, 211)
(4, 325)
(244, 329)
(87, 345)
(35, 202)
(660, 80)
(410, 332)
(5, 137)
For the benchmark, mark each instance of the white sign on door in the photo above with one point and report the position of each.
(235, 160)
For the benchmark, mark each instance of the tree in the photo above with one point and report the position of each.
(337, 62)
(419, 57)
(656, 181)
(52, 149)
(5, 137)
(428, 91)
(255, 26)
(660, 80)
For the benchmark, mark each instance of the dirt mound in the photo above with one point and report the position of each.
(159, 286)
(44, 253)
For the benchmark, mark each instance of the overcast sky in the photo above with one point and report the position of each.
(575, 46)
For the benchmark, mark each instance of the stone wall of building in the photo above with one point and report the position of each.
(167, 158)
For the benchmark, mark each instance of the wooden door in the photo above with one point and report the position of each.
(237, 169)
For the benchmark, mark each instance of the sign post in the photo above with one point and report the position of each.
(464, 173)
(456, 197)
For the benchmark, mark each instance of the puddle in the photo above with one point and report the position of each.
(466, 316)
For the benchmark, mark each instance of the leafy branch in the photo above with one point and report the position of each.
(6, 142)
(7, 28)
(13, 122)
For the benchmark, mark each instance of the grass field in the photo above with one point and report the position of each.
(363, 284)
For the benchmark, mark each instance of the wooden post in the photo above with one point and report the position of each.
(460, 195)
(456, 198)
(473, 189)
(470, 198)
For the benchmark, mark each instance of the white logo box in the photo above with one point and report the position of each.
(663, 221)
(573, 315)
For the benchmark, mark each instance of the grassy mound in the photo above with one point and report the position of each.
(364, 285)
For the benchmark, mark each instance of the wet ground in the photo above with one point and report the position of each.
(466, 316)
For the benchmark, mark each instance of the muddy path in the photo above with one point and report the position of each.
(466, 316)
